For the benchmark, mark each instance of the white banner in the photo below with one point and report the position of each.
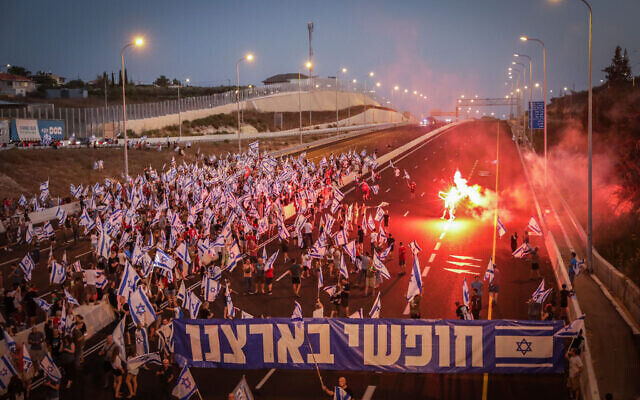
(27, 129)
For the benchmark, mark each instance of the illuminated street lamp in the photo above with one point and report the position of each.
(247, 58)
(307, 65)
(544, 99)
(137, 42)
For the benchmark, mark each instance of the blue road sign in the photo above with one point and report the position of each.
(536, 114)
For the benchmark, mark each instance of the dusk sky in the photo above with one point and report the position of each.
(440, 48)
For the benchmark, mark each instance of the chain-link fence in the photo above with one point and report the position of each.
(107, 121)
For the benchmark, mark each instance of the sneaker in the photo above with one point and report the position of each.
(270, 293)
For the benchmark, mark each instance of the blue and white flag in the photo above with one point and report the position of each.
(379, 214)
(415, 249)
(415, 282)
(142, 340)
(164, 263)
(30, 233)
(42, 304)
(210, 289)
(58, 273)
(269, 263)
(343, 267)
(539, 291)
(47, 230)
(358, 314)
(320, 278)
(61, 214)
(23, 201)
(231, 311)
(183, 253)
(194, 304)
(490, 273)
(144, 359)
(522, 251)
(182, 294)
(27, 265)
(465, 293)
(380, 267)
(234, 257)
(340, 238)
(350, 249)
(573, 329)
(530, 346)
(376, 308)
(128, 281)
(104, 245)
(330, 290)
(70, 298)
(500, 227)
(534, 228)
(50, 368)
(371, 224)
(118, 339)
(296, 316)
(7, 371)
(8, 340)
(340, 394)
(186, 385)
(27, 362)
(385, 253)
(44, 186)
(140, 308)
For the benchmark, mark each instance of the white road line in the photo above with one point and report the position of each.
(82, 254)
(283, 275)
(437, 247)
(264, 380)
(10, 261)
(433, 256)
(368, 393)
(422, 194)
(425, 271)
(407, 213)
(388, 190)
(442, 235)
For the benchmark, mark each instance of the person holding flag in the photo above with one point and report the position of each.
(340, 392)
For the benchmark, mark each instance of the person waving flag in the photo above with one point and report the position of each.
(296, 317)
(343, 268)
(415, 282)
(186, 385)
(534, 228)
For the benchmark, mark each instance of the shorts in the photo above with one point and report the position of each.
(371, 281)
(573, 383)
(117, 372)
(259, 278)
(493, 288)
(534, 266)
(295, 280)
(269, 281)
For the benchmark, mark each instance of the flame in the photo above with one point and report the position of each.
(458, 193)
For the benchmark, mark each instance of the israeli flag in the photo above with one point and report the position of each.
(27, 362)
(182, 294)
(343, 267)
(128, 281)
(70, 298)
(523, 346)
(118, 339)
(7, 371)
(231, 311)
(539, 291)
(500, 227)
(415, 282)
(104, 245)
(376, 308)
(245, 315)
(350, 249)
(296, 317)
(210, 288)
(194, 304)
(8, 340)
(357, 314)
(490, 273)
(27, 265)
(415, 249)
(42, 304)
(522, 251)
(140, 308)
(164, 263)
(183, 253)
(465, 293)
(385, 253)
(186, 385)
(320, 279)
(371, 224)
(144, 359)
(380, 267)
(340, 394)
(44, 186)
(29, 234)
(50, 368)
(572, 330)
(534, 228)
(47, 230)
(58, 273)
(379, 214)
(234, 256)
(22, 201)
(61, 214)
(330, 290)
(254, 147)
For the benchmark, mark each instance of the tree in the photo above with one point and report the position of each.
(44, 80)
(113, 81)
(75, 84)
(162, 81)
(176, 82)
(17, 70)
(126, 77)
(619, 71)
(120, 78)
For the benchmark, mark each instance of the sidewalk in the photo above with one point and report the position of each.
(615, 353)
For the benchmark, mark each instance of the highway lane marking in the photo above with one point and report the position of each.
(437, 247)
(368, 393)
(405, 312)
(433, 256)
(425, 271)
(10, 261)
(82, 254)
(407, 213)
(442, 235)
(266, 377)
(388, 190)
(422, 194)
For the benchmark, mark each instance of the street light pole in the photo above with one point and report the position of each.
(248, 57)
(300, 104)
(590, 140)
(544, 98)
(137, 42)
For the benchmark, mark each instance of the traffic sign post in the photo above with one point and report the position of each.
(536, 115)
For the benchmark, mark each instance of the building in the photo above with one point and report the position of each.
(57, 78)
(284, 78)
(16, 85)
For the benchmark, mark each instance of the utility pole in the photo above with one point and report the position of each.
(310, 63)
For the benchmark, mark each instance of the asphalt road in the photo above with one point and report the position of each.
(471, 148)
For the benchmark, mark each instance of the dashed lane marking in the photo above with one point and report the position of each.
(425, 271)
(407, 213)
(442, 235)
(433, 256)
(437, 247)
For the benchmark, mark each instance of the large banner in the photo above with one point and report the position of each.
(388, 345)
(34, 130)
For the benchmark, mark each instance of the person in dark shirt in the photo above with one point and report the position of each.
(295, 277)
(564, 300)
(344, 296)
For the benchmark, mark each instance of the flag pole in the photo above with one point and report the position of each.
(314, 358)
(199, 395)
